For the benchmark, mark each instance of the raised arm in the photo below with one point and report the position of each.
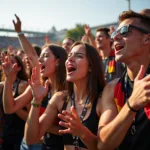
(35, 128)
(10, 104)
(25, 44)
(89, 35)
(113, 127)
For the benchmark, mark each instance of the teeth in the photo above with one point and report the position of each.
(118, 47)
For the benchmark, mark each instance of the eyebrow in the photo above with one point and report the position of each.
(77, 53)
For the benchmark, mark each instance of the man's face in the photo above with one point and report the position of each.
(129, 47)
(67, 43)
(101, 40)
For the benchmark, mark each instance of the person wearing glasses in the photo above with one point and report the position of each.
(124, 122)
(103, 44)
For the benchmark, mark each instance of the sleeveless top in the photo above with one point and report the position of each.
(138, 134)
(91, 123)
(50, 141)
(13, 127)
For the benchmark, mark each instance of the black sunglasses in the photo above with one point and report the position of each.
(123, 31)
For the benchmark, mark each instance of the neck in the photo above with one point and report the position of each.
(133, 68)
(80, 90)
(52, 82)
(105, 52)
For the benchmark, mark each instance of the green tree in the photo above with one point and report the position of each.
(76, 33)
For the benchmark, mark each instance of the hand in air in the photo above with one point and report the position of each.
(39, 91)
(71, 122)
(17, 24)
(87, 30)
(9, 68)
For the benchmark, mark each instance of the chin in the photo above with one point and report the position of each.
(69, 79)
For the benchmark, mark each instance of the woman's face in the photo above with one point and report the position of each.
(48, 63)
(77, 65)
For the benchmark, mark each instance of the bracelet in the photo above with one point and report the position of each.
(35, 104)
(132, 109)
(20, 33)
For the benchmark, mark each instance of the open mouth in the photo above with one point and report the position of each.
(71, 69)
(42, 68)
(118, 47)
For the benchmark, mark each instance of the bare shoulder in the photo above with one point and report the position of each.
(22, 86)
(58, 99)
(107, 97)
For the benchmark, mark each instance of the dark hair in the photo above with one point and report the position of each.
(61, 54)
(37, 49)
(22, 73)
(105, 30)
(144, 19)
(96, 80)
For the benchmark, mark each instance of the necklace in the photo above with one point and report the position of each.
(76, 138)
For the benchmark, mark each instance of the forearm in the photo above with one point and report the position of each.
(112, 134)
(32, 126)
(92, 41)
(28, 49)
(89, 139)
(8, 99)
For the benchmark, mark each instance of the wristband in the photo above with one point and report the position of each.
(20, 33)
(35, 104)
(132, 109)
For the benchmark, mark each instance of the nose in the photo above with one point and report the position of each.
(71, 58)
(40, 59)
(116, 36)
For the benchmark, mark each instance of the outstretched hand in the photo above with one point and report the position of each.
(10, 69)
(71, 122)
(39, 91)
(87, 30)
(17, 25)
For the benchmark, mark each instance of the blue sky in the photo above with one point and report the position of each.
(41, 15)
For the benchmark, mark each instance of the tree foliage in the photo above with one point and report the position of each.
(76, 33)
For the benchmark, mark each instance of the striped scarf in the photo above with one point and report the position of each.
(119, 94)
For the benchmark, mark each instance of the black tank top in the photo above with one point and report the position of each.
(91, 123)
(13, 128)
(51, 141)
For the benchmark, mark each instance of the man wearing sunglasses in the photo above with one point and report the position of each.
(125, 104)
(102, 43)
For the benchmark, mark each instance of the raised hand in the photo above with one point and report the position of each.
(47, 40)
(71, 122)
(84, 38)
(87, 30)
(17, 25)
(140, 96)
(10, 69)
(112, 29)
(39, 91)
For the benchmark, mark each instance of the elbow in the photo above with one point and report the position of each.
(8, 111)
(104, 146)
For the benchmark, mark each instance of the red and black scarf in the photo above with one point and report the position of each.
(123, 90)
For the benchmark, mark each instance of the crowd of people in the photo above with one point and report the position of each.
(91, 94)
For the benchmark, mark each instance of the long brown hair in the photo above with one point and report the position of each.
(96, 81)
(60, 54)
